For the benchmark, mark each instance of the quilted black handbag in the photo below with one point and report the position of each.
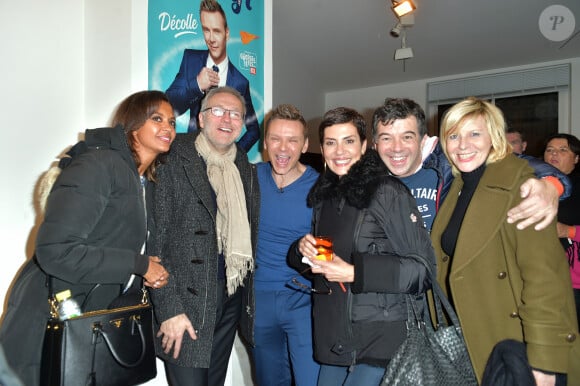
(429, 355)
(111, 347)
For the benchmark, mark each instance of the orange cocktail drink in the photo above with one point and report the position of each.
(324, 248)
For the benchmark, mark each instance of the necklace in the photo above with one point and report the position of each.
(280, 185)
(284, 180)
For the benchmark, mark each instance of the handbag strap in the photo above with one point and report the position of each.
(53, 303)
(136, 322)
(441, 302)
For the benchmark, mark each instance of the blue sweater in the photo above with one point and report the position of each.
(284, 218)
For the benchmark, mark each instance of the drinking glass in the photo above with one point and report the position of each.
(324, 247)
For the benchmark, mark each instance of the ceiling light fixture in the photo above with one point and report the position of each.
(401, 8)
(406, 21)
(404, 52)
(396, 31)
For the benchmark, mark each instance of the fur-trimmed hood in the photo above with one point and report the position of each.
(357, 187)
(102, 138)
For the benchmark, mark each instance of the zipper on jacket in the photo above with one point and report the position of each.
(349, 295)
(250, 220)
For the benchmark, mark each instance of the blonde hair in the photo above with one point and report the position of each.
(471, 108)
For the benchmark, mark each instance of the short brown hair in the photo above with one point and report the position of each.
(287, 112)
(213, 6)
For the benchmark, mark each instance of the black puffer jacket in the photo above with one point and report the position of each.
(93, 231)
(375, 225)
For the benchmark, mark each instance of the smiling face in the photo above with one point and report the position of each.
(399, 145)
(342, 147)
(285, 142)
(156, 134)
(559, 155)
(215, 34)
(468, 146)
(221, 132)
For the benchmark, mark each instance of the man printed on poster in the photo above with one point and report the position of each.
(210, 65)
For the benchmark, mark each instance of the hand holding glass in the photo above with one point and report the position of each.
(324, 248)
(325, 252)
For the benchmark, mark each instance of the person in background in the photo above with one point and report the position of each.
(201, 70)
(359, 310)
(400, 138)
(504, 283)
(563, 151)
(282, 327)
(516, 140)
(95, 227)
(207, 207)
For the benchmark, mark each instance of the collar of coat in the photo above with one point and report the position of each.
(500, 174)
(184, 147)
(357, 186)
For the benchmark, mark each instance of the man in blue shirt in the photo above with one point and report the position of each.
(400, 137)
(282, 325)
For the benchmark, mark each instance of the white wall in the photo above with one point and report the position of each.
(365, 100)
(42, 104)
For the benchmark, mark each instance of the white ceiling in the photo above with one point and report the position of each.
(332, 45)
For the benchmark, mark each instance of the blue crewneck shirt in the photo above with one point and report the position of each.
(284, 218)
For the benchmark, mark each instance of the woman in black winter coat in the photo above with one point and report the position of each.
(95, 227)
(381, 250)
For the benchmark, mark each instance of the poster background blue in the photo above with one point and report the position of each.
(174, 25)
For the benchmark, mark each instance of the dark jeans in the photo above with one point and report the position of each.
(227, 316)
(358, 375)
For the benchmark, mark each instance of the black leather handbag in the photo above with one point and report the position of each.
(112, 347)
(434, 356)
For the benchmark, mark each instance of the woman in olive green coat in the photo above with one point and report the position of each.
(505, 283)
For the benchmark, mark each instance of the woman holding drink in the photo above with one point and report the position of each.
(378, 242)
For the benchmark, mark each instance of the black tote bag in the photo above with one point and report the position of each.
(432, 355)
(112, 347)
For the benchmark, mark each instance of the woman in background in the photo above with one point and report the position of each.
(505, 283)
(95, 227)
(381, 251)
(563, 152)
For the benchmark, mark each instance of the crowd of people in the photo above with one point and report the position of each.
(224, 245)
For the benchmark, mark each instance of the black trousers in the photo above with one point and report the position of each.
(228, 313)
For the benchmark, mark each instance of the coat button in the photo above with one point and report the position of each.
(571, 337)
(514, 314)
(445, 258)
(192, 290)
(502, 275)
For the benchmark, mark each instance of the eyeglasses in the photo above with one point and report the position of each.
(562, 150)
(296, 283)
(219, 112)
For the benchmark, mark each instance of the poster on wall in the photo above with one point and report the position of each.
(191, 48)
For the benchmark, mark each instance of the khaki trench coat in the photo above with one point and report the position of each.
(507, 283)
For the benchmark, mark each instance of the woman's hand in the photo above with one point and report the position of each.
(336, 270)
(156, 276)
(307, 246)
(172, 331)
